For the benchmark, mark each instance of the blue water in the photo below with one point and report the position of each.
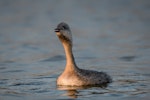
(110, 36)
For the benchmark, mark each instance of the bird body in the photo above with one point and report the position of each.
(72, 74)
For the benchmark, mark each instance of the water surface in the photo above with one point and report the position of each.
(111, 36)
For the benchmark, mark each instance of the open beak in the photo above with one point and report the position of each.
(57, 30)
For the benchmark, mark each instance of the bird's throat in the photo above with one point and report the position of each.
(70, 61)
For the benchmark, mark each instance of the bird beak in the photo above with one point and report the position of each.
(57, 30)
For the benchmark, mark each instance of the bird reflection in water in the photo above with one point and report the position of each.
(74, 91)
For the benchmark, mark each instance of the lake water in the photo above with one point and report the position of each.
(109, 35)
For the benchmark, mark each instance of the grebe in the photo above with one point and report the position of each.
(73, 75)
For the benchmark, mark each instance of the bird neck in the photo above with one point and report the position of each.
(70, 61)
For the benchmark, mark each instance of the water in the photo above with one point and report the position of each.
(111, 36)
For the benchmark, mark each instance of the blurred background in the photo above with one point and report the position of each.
(108, 35)
(27, 27)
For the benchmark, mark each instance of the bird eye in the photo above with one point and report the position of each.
(64, 27)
